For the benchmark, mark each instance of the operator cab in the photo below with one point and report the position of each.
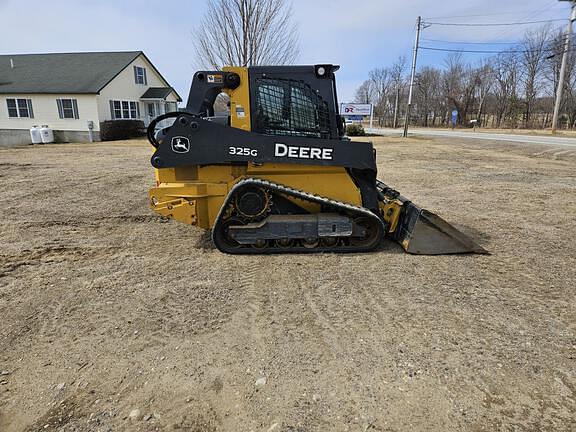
(285, 100)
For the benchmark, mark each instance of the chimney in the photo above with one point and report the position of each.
(12, 63)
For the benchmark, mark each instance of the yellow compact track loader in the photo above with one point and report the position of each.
(276, 174)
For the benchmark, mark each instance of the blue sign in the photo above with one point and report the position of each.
(454, 116)
(355, 117)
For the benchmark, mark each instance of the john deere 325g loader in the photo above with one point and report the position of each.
(278, 175)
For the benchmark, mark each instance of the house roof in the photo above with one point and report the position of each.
(74, 73)
(157, 93)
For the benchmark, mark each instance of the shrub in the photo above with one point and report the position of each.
(355, 129)
(121, 129)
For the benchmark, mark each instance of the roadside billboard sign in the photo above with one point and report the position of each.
(354, 109)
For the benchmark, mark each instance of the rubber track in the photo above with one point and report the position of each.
(278, 188)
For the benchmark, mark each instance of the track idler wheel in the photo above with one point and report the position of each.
(223, 236)
(373, 233)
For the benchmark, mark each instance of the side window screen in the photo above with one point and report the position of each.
(303, 114)
(290, 107)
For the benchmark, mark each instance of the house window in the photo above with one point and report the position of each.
(20, 108)
(67, 108)
(140, 75)
(116, 109)
(134, 110)
(124, 110)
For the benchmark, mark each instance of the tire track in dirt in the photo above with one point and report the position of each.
(50, 254)
(94, 222)
(344, 318)
(337, 309)
(247, 322)
(342, 309)
(287, 308)
(170, 306)
(41, 323)
(557, 154)
(330, 332)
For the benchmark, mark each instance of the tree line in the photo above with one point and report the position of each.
(511, 89)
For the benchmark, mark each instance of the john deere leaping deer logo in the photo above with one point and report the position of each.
(180, 144)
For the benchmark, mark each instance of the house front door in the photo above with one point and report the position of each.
(155, 109)
(150, 111)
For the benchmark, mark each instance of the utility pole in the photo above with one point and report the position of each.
(395, 123)
(561, 79)
(412, 75)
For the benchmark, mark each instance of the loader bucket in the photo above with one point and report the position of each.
(424, 233)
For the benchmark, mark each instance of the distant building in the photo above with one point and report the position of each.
(67, 91)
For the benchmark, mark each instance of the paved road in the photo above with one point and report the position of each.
(529, 139)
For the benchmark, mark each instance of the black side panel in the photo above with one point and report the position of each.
(366, 180)
(194, 141)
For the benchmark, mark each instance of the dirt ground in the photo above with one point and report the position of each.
(106, 309)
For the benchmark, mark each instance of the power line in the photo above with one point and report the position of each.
(545, 50)
(508, 31)
(562, 37)
(491, 24)
(474, 16)
(471, 43)
(467, 51)
(550, 5)
(513, 50)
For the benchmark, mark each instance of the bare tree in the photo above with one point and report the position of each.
(398, 72)
(532, 62)
(484, 82)
(380, 83)
(382, 88)
(246, 33)
(398, 76)
(555, 48)
(364, 93)
(460, 81)
(428, 94)
(506, 71)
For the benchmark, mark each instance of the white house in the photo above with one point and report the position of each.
(68, 92)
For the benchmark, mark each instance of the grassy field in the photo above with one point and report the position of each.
(114, 319)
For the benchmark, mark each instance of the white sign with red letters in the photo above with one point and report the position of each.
(354, 109)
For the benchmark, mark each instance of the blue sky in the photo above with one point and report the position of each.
(359, 35)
